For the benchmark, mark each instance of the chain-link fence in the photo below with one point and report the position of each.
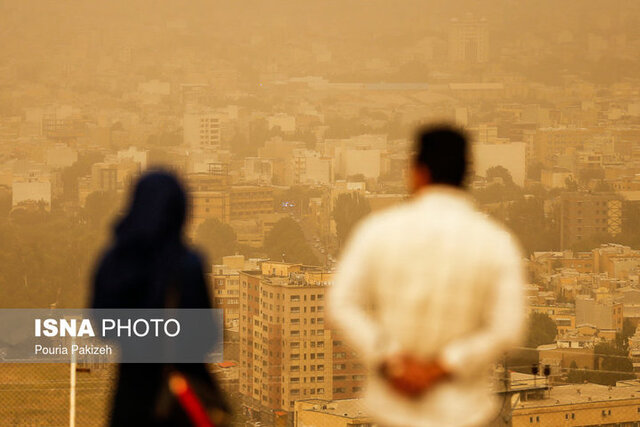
(40, 394)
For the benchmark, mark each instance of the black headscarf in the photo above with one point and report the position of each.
(148, 246)
(147, 259)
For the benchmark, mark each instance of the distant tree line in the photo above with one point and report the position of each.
(285, 242)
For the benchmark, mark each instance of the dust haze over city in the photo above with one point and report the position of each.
(289, 122)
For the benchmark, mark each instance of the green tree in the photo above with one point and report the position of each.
(527, 219)
(500, 172)
(602, 187)
(622, 338)
(586, 175)
(216, 239)
(100, 207)
(297, 195)
(5, 201)
(521, 359)
(576, 375)
(631, 223)
(613, 364)
(165, 138)
(348, 210)
(47, 259)
(82, 167)
(534, 171)
(286, 242)
(491, 194)
(541, 329)
(570, 184)
(594, 240)
(258, 134)
(359, 177)
(498, 192)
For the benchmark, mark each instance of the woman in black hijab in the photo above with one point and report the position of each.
(150, 266)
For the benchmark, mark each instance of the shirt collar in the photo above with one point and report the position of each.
(442, 191)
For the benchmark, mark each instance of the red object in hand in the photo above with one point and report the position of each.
(189, 401)
(412, 377)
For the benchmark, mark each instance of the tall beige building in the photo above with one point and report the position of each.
(584, 215)
(287, 350)
(209, 196)
(201, 130)
(225, 281)
(468, 40)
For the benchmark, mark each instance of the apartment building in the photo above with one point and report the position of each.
(225, 284)
(288, 352)
(617, 261)
(468, 40)
(201, 130)
(248, 201)
(209, 196)
(563, 316)
(549, 143)
(584, 215)
(604, 315)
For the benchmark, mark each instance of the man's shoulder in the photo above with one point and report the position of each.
(384, 218)
(490, 224)
(501, 238)
(374, 226)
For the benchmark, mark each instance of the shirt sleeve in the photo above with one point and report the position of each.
(469, 355)
(350, 298)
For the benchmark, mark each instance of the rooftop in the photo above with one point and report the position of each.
(349, 408)
(583, 393)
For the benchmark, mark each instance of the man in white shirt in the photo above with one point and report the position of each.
(431, 294)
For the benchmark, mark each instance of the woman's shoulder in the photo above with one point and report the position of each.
(193, 259)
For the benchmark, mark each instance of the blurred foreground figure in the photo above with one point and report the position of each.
(430, 293)
(149, 266)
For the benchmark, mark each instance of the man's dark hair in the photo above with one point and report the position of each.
(443, 150)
